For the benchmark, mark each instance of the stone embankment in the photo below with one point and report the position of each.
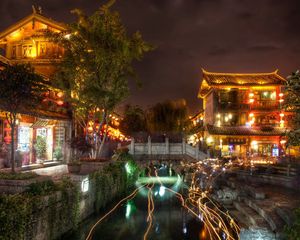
(261, 209)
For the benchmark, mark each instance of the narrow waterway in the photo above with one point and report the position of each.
(129, 221)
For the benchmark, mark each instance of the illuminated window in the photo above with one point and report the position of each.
(60, 135)
(41, 132)
(27, 50)
(42, 49)
(14, 52)
(23, 138)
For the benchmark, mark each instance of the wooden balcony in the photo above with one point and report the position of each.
(265, 105)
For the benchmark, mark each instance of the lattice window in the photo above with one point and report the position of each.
(60, 133)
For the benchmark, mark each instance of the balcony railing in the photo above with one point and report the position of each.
(264, 105)
(233, 106)
(259, 105)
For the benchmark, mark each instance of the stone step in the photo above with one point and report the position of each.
(267, 210)
(252, 218)
(239, 217)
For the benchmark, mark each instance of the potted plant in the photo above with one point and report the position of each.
(40, 148)
(58, 154)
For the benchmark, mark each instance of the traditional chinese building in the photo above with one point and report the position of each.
(26, 42)
(243, 115)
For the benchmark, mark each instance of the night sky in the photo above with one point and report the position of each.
(218, 35)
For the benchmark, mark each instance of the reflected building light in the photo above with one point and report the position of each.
(162, 191)
(128, 210)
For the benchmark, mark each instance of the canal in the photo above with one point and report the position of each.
(131, 219)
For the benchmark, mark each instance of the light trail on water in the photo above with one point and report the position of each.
(215, 220)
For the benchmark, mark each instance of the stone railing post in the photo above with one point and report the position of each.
(183, 146)
(167, 151)
(132, 146)
(149, 146)
(197, 151)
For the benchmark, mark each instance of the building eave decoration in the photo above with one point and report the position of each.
(219, 80)
(29, 18)
(243, 131)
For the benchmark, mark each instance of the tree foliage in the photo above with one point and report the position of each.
(293, 231)
(167, 117)
(21, 91)
(97, 65)
(292, 104)
(134, 120)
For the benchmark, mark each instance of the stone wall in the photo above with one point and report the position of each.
(51, 216)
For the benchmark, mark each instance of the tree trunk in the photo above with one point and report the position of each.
(102, 143)
(12, 160)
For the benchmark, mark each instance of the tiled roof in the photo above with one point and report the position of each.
(46, 114)
(212, 79)
(243, 79)
(244, 131)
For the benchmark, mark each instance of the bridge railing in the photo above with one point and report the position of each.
(165, 148)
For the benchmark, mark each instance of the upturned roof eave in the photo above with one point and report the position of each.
(25, 20)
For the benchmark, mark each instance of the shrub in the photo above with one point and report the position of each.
(293, 231)
(41, 147)
(18, 176)
(41, 188)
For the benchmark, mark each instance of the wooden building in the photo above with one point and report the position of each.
(243, 114)
(26, 42)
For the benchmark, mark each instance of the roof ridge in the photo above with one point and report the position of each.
(28, 18)
(239, 74)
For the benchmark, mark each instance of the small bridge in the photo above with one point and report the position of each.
(166, 152)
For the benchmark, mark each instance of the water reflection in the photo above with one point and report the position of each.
(170, 220)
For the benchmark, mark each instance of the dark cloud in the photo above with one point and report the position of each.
(264, 47)
(219, 35)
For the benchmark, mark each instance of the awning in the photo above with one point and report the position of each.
(42, 123)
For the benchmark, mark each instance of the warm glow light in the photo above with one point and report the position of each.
(251, 95)
(226, 119)
(230, 116)
(281, 100)
(60, 102)
(219, 123)
(273, 95)
(67, 36)
(281, 114)
(218, 115)
(280, 94)
(15, 34)
(251, 115)
(209, 139)
(254, 145)
(251, 100)
(60, 94)
(283, 142)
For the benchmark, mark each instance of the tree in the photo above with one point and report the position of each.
(21, 91)
(168, 117)
(292, 104)
(134, 120)
(96, 68)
